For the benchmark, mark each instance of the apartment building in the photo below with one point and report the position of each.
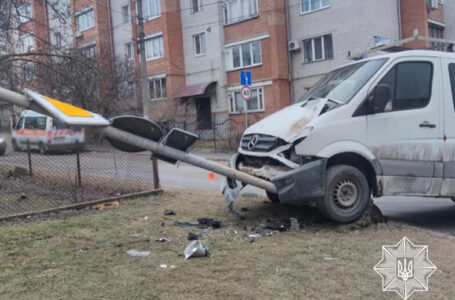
(324, 34)
(221, 38)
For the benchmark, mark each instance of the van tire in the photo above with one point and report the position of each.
(14, 145)
(272, 197)
(42, 149)
(347, 194)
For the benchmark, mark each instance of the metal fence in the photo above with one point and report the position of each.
(30, 181)
(214, 136)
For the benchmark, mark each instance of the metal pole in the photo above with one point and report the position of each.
(29, 155)
(189, 158)
(246, 114)
(144, 80)
(78, 161)
(156, 176)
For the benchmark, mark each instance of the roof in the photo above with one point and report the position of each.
(193, 90)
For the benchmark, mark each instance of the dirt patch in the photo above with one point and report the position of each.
(86, 256)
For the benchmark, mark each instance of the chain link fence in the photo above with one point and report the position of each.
(30, 181)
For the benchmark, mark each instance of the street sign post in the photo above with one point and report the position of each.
(246, 92)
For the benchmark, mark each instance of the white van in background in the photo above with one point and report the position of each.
(45, 134)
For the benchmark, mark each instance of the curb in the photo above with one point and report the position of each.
(85, 204)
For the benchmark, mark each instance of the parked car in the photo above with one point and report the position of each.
(45, 134)
(2, 145)
(380, 126)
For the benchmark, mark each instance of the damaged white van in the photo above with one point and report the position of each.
(380, 126)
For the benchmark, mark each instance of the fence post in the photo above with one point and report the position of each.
(29, 154)
(214, 133)
(156, 176)
(79, 180)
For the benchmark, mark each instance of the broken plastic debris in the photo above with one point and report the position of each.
(254, 236)
(329, 258)
(214, 223)
(162, 239)
(194, 236)
(136, 235)
(163, 266)
(195, 249)
(146, 217)
(202, 223)
(169, 212)
(275, 225)
(133, 252)
(294, 224)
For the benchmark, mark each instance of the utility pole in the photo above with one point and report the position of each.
(145, 86)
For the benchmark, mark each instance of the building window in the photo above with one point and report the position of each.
(57, 40)
(88, 51)
(126, 14)
(318, 48)
(28, 71)
(256, 104)
(26, 43)
(199, 44)
(85, 19)
(25, 13)
(310, 5)
(151, 9)
(195, 6)
(157, 88)
(438, 33)
(154, 48)
(240, 10)
(128, 51)
(246, 55)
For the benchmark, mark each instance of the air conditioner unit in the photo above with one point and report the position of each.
(293, 46)
(78, 34)
(433, 4)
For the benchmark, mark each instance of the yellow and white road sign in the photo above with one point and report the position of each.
(67, 113)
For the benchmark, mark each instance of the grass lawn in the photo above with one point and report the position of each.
(84, 256)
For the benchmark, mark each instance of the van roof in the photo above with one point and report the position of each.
(407, 53)
(31, 113)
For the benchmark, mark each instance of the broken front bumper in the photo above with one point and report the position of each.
(302, 183)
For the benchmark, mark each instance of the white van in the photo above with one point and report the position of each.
(45, 134)
(380, 126)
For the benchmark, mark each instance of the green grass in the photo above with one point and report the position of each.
(85, 256)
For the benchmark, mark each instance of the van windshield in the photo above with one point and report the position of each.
(342, 84)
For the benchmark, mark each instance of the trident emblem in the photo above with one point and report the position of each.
(405, 268)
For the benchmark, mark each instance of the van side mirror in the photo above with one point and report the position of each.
(380, 96)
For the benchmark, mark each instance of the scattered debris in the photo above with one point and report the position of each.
(188, 224)
(214, 223)
(196, 249)
(244, 209)
(136, 235)
(254, 236)
(329, 258)
(202, 223)
(372, 215)
(163, 266)
(294, 224)
(23, 197)
(137, 253)
(163, 238)
(194, 236)
(276, 225)
(258, 229)
(169, 212)
(270, 233)
(107, 204)
(146, 218)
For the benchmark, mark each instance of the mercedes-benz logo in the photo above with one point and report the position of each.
(254, 140)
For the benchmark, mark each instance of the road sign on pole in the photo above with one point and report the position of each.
(246, 93)
(245, 77)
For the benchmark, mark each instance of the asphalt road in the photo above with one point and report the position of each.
(431, 213)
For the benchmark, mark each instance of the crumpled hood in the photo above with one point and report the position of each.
(289, 122)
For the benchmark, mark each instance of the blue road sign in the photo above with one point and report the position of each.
(245, 78)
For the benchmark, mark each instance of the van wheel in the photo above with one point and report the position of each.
(15, 146)
(42, 149)
(272, 197)
(347, 194)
